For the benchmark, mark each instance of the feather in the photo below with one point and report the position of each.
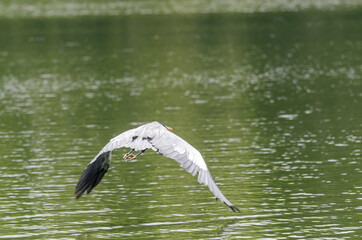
(93, 174)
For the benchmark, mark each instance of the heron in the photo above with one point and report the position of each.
(155, 136)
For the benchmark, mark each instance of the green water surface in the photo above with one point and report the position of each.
(271, 100)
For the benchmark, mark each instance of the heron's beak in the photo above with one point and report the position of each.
(170, 129)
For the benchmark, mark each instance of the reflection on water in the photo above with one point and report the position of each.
(71, 8)
(272, 102)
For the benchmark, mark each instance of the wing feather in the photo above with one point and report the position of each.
(98, 167)
(93, 174)
(189, 158)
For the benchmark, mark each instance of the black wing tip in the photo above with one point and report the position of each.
(235, 209)
(232, 207)
(89, 180)
(92, 175)
(78, 192)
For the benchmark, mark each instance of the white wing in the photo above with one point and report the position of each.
(97, 168)
(172, 146)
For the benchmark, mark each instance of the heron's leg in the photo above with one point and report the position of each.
(134, 157)
(125, 157)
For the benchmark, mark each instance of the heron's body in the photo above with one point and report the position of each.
(157, 137)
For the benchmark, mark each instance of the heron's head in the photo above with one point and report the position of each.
(168, 128)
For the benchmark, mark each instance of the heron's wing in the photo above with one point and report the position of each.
(172, 146)
(93, 174)
(98, 167)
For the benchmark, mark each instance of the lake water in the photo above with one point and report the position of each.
(271, 100)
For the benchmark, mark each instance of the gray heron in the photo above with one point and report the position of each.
(159, 138)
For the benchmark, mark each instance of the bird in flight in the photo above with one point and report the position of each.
(159, 138)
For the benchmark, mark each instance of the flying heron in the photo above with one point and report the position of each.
(159, 138)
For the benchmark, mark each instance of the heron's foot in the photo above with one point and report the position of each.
(129, 157)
